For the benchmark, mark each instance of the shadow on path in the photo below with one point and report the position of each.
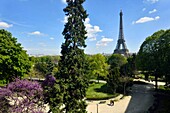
(141, 98)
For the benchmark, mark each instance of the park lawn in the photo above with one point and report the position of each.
(163, 89)
(99, 91)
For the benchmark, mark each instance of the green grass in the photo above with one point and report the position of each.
(99, 91)
(142, 76)
(164, 89)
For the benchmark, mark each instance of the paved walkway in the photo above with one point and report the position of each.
(119, 106)
(140, 99)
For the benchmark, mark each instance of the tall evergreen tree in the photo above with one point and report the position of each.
(72, 64)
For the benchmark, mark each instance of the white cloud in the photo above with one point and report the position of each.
(38, 33)
(14, 22)
(65, 19)
(5, 25)
(91, 30)
(152, 11)
(143, 9)
(104, 41)
(151, 1)
(145, 19)
(52, 38)
(157, 18)
(63, 1)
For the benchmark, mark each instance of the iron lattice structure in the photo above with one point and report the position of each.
(121, 47)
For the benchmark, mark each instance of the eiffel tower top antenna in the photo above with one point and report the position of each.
(121, 47)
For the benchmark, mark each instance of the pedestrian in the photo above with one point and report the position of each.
(112, 102)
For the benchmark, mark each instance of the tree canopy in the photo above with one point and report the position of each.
(44, 65)
(153, 56)
(148, 53)
(14, 62)
(117, 60)
(72, 73)
(98, 66)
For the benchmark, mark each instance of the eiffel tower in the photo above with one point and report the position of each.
(121, 47)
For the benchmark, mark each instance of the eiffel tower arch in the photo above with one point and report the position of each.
(121, 47)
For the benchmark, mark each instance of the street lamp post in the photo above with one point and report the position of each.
(97, 108)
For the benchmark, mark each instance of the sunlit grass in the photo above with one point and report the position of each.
(98, 91)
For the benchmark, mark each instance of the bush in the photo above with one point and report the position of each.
(52, 94)
(21, 96)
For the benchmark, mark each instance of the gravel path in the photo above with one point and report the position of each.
(140, 99)
(119, 107)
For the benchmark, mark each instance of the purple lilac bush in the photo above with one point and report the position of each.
(22, 96)
(49, 81)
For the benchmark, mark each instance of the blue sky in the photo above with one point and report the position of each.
(38, 24)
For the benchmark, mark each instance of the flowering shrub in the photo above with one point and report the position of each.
(22, 96)
(49, 81)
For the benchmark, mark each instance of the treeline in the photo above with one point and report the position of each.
(111, 68)
(42, 66)
(98, 67)
(153, 58)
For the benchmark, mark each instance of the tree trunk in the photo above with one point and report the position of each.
(156, 82)
(124, 88)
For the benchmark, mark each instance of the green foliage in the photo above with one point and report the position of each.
(164, 54)
(113, 79)
(53, 96)
(148, 56)
(154, 56)
(131, 66)
(42, 66)
(124, 83)
(117, 60)
(164, 89)
(117, 64)
(14, 62)
(99, 91)
(72, 73)
(98, 66)
(2, 83)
